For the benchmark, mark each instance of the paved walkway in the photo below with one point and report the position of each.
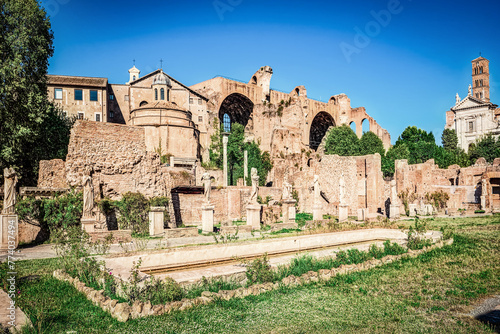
(46, 251)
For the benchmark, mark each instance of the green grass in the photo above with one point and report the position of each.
(426, 294)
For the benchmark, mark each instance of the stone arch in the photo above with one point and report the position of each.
(238, 107)
(297, 91)
(143, 103)
(365, 125)
(254, 80)
(319, 126)
(352, 125)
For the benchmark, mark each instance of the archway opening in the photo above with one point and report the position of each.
(353, 126)
(319, 126)
(238, 109)
(143, 103)
(365, 125)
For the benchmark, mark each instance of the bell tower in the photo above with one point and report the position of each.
(481, 79)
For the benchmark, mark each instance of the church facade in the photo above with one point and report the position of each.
(475, 115)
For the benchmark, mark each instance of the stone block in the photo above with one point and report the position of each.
(362, 215)
(9, 235)
(88, 224)
(343, 212)
(253, 216)
(207, 218)
(317, 212)
(289, 212)
(413, 210)
(394, 211)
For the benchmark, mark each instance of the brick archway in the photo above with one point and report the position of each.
(238, 107)
(319, 126)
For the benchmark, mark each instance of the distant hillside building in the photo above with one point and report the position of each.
(475, 116)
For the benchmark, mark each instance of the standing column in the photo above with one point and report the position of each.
(245, 166)
(225, 139)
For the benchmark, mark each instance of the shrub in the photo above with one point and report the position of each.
(415, 236)
(63, 211)
(259, 271)
(438, 199)
(133, 209)
(479, 211)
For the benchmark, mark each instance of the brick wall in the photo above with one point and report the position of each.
(52, 174)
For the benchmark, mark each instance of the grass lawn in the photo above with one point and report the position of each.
(428, 294)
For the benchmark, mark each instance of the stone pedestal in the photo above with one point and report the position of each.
(483, 202)
(428, 209)
(413, 209)
(343, 212)
(289, 211)
(88, 224)
(362, 215)
(207, 218)
(317, 212)
(253, 216)
(156, 219)
(394, 211)
(9, 232)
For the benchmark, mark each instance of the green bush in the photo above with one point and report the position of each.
(259, 271)
(63, 211)
(159, 201)
(133, 209)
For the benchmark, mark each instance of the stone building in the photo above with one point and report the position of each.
(474, 116)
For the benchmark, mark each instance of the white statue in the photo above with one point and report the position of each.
(457, 99)
(287, 189)
(470, 90)
(342, 189)
(9, 191)
(317, 190)
(255, 186)
(88, 194)
(207, 186)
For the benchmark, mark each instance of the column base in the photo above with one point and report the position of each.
(343, 212)
(317, 212)
(394, 211)
(88, 224)
(253, 216)
(9, 238)
(207, 218)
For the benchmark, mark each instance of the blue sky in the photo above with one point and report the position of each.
(406, 71)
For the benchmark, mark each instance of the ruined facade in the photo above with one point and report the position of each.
(474, 116)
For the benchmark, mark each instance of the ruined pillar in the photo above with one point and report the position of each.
(289, 211)
(245, 167)
(207, 218)
(225, 139)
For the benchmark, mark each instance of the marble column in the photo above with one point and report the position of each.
(225, 139)
(245, 167)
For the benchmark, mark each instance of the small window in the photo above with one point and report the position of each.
(162, 94)
(481, 69)
(126, 97)
(471, 126)
(111, 96)
(93, 95)
(481, 95)
(226, 120)
(156, 94)
(78, 95)
(133, 78)
(97, 117)
(111, 114)
(199, 101)
(58, 93)
(81, 115)
(200, 119)
(191, 100)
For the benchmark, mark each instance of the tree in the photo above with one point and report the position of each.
(370, 143)
(25, 112)
(449, 139)
(394, 153)
(487, 147)
(342, 141)
(420, 143)
(215, 151)
(235, 152)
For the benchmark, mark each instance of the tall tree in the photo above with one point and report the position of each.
(449, 139)
(25, 47)
(487, 147)
(370, 143)
(343, 141)
(394, 153)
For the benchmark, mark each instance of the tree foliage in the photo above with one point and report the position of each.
(370, 143)
(342, 141)
(487, 147)
(32, 128)
(394, 153)
(235, 149)
(449, 139)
